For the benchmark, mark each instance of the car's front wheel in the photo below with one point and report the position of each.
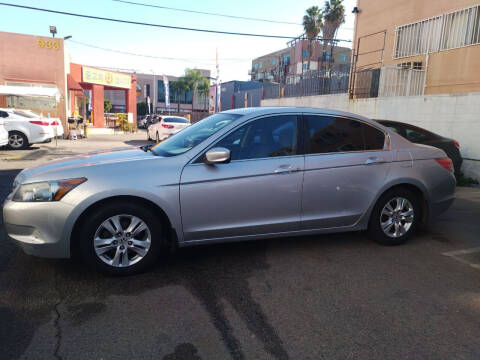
(121, 238)
(17, 140)
(395, 217)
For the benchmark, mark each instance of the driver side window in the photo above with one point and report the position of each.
(266, 137)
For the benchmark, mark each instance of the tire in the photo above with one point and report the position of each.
(157, 138)
(17, 140)
(402, 223)
(133, 245)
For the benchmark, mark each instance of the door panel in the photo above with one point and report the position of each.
(345, 165)
(339, 188)
(241, 198)
(258, 192)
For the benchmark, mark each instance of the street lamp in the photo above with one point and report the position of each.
(53, 30)
(67, 37)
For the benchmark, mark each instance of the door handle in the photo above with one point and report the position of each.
(282, 169)
(374, 160)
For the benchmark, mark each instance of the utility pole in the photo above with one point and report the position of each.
(217, 88)
(154, 103)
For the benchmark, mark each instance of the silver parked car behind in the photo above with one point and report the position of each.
(237, 175)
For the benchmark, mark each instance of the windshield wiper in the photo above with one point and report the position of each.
(147, 147)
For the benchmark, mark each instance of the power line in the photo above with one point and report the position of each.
(153, 25)
(200, 61)
(142, 23)
(207, 13)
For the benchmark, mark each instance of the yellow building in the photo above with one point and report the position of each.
(415, 47)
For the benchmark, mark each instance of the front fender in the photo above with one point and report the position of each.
(78, 208)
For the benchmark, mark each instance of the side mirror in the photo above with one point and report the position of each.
(217, 155)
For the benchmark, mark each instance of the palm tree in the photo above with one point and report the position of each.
(334, 16)
(312, 24)
(195, 80)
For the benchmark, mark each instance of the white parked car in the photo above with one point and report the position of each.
(55, 122)
(3, 133)
(24, 130)
(165, 127)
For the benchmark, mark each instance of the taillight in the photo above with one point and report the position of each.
(167, 126)
(54, 122)
(39, 122)
(455, 142)
(446, 163)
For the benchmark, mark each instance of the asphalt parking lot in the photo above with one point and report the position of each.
(322, 297)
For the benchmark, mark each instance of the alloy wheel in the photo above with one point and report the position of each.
(122, 240)
(15, 141)
(397, 217)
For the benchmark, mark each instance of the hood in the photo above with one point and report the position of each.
(85, 160)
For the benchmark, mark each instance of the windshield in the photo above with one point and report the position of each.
(193, 135)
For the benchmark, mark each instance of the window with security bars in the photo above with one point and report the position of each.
(448, 31)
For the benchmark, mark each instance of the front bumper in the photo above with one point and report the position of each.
(38, 228)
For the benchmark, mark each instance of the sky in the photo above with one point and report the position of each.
(189, 49)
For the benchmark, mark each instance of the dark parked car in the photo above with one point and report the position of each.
(421, 136)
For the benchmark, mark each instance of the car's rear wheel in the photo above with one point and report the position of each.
(395, 217)
(121, 238)
(17, 140)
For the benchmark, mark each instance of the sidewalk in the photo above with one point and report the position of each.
(38, 153)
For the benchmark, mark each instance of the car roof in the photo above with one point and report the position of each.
(288, 109)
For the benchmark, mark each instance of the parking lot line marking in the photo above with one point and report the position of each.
(462, 252)
(457, 255)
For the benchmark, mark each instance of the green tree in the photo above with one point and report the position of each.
(334, 16)
(312, 25)
(107, 106)
(194, 80)
(178, 88)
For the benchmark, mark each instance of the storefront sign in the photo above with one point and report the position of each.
(107, 78)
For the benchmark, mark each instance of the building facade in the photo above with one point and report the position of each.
(34, 61)
(152, 87)
(301, 58)
(415, 47)
(240, 94)
(40, 62)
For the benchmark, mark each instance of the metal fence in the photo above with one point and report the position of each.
(396, 81)
(388, 81)
(315, 83)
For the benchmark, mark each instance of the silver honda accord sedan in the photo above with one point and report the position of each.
(237, 175)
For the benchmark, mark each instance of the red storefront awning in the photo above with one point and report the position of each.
(72, 84)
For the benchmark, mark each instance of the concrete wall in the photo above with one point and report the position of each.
(455, 116)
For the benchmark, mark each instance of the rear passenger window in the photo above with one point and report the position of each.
(3, 114)
(327, 134)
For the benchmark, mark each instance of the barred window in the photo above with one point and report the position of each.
(461, 28)
(447, 31)
(418, 38)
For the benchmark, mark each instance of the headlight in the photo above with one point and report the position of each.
(46, 191)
